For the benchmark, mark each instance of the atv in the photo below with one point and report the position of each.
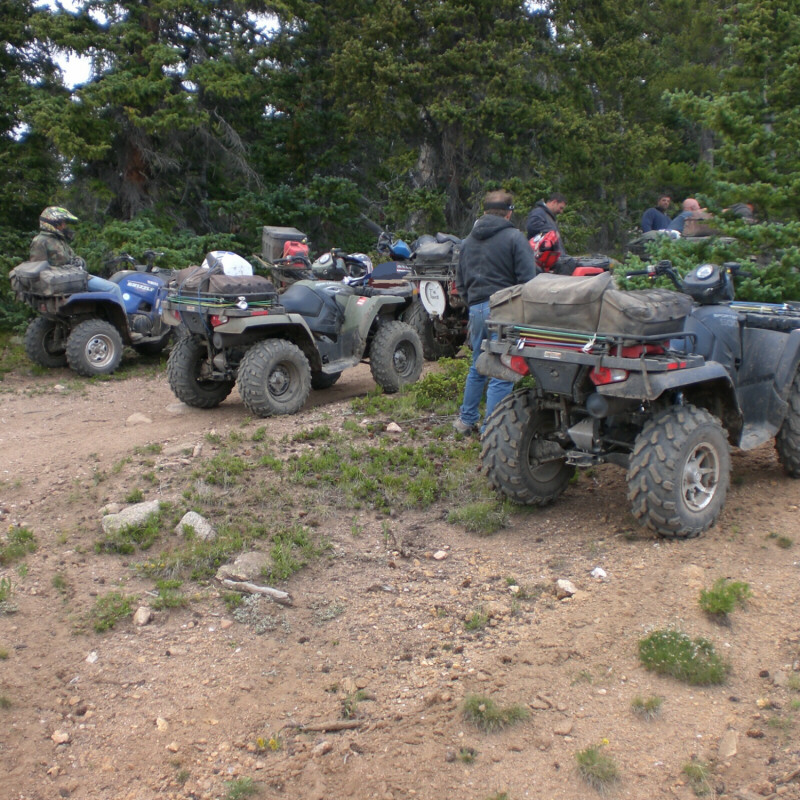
(87, 330)
(278, 347)
(656, 381)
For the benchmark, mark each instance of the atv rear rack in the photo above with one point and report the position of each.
(231, 305)
(622, 351)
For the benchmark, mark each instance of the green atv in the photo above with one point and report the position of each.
(278, 348)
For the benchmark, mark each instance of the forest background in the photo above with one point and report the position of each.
(202, 121)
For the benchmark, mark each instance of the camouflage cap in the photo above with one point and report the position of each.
(56, 214)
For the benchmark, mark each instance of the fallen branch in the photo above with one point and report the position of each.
(253, 588)
(327, 727)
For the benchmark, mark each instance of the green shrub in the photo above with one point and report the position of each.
(488, 716)
(671, 652)
(597, 768)
(723, 597)
(19, 542)
(110, 609)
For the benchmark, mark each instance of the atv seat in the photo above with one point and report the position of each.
(318, 307)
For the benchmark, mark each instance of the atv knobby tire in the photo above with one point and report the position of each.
(324, 380)
(274, 378)
(395, 356)
(518, 455)
(190, 377)
(45, 343)
(418, 318)
(787, 442)
(679, 472)
(94, 348)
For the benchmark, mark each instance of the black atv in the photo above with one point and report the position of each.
(656, 381)
(278, 347)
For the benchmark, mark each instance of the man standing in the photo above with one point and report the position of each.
(656, 219)
(494, 256)
(543, 218)
(52, 244)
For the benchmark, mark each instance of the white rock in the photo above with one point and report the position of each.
(564, 589)
(202, 528)
(728, 744)
(92, 657)
(162, 724)
(393, 427)
(598, 572)
(60, 737)
(440, 555)
(142, 616)
(136, 514)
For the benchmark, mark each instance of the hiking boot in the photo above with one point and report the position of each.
(462, 426)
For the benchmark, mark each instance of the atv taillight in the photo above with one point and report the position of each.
(517, 363)
(217, 320)
(600, 376)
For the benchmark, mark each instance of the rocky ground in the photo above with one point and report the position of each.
(356, 689)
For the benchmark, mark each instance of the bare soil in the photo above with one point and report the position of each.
(194, 703)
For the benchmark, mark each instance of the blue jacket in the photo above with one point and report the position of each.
(654, 219)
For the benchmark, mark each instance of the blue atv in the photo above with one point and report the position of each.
(88, 330)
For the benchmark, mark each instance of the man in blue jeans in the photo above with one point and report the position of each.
(494, 256)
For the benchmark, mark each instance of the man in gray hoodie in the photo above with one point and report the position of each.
(494, 256)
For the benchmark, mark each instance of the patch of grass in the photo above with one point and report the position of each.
(224, 469)
(584, 676)
(6, 589)
(695, 661)
(241, 788)
(721, 599)
(5, 702)
(646, 707)
(476, 621)
(484, 517)
(134, 496)
(148, 449)
(273, 742)
(109, 609)
(169, 594)
(3, 654)
(487, 715)
(320, 433)
(259, 434)
(60, 583)
(232, 600)
(467, 755)
(699, 777)
(291, 549)
(19, 542)
(597, 768)
(351, 701)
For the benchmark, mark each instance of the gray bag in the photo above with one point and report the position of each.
(643, 312)
(38, 277)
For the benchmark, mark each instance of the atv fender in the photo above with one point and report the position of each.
(360, 313)
(788, 364)
(96, 304)
(650, 386)
(267, 324)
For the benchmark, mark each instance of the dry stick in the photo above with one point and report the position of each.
(334, 725)
(244, 586)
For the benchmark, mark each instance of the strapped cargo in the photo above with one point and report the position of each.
(38, 277)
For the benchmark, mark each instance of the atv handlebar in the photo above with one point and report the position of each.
(654, 271)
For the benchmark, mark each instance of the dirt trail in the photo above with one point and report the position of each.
(181, 708)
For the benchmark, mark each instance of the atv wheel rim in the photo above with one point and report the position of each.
(279, 381)
(545, 459)
(403, 359)
(100, 351)
(700, 477)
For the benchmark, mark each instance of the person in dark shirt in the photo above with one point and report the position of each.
(656, 219)
(494, 256)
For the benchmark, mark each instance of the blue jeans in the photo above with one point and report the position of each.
(473, 389)
(102, 285)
